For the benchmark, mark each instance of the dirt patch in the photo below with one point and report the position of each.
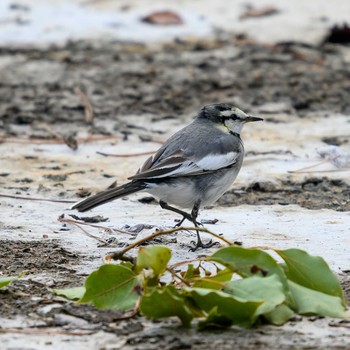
(46, 264)
(129, 78)
(28, 297)
(345, 283)
(313, 193)
(35, 257)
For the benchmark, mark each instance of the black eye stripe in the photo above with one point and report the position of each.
(232, 117)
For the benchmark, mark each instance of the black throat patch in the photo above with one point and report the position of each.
(235, 134)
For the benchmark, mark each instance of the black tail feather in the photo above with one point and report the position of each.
(108, 195)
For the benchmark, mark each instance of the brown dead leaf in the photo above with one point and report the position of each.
(163, 18)
(259, 12)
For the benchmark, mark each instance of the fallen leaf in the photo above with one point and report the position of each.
(163, 18)
(259, 12)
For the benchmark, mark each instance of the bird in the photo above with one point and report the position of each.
(192, 169)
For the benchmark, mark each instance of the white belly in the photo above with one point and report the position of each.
(186, 191)
(219, 187)
(181, 194)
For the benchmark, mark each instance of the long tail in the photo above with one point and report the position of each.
(108, 195)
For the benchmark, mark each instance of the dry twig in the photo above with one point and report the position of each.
(119, 255)
(307, 169)
(89, 113)
(93, 225)
(35, 198)
(125, 155)
(77, 223)
(27, 140)
(43, 331)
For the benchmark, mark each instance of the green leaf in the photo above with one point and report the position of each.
(239, 311)
(268, 290)
(153, 257)
(311, 272)
(280, 315)
(211, 282)
(127, 264)
(165, 302)
(215, 320)
(248, 262)
(6, 280)
(251, 262)
(71, 293)
(111, 286)
(309, 301)
(191, 272)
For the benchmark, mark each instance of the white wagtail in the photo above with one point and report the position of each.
(193, 168)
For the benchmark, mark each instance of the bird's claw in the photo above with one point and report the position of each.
(200, 244)
(179, 224)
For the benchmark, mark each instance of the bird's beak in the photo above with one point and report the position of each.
(252, 119)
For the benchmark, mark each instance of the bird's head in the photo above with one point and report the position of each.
(226, 117)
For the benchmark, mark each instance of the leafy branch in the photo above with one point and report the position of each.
(233, 286)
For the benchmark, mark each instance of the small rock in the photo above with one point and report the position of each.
(62, 320)
(90, 219)
(263, 186)
(49, 309)
(138, 228)
(52, 177)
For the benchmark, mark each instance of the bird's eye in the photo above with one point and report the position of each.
(233, 117)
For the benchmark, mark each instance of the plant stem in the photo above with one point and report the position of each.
(118, 255)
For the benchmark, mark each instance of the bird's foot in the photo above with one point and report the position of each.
(179, 224)
(202, 245)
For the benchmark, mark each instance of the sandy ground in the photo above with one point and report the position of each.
(71, 20)
(285, 196)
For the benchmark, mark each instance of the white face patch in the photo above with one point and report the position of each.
(233, 125)
(227, 113)
(238, 112)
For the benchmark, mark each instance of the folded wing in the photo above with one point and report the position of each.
(176, 164)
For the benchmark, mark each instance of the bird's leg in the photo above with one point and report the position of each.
(191, 217)
(181, 222)
(199, 244)
(185, 215)
(184, 218)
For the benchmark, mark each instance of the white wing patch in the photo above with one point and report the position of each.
(186, 168)
(217, 161)
(208, 163)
